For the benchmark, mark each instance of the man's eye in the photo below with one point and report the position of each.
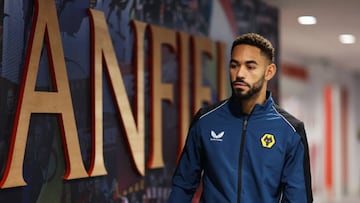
(251, 67)
(232, 65)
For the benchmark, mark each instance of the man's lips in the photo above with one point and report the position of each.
(240, 85)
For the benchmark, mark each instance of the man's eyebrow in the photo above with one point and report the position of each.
(251, 62)
(246, 62)
(234, 61)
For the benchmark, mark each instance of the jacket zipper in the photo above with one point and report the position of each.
(242, 143)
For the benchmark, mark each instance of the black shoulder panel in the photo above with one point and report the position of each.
(205, 110)
(300, 129)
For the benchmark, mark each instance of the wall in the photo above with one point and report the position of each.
(327, 101)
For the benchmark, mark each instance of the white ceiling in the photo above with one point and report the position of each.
(320, 41)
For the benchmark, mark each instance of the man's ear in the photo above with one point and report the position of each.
(270, 71)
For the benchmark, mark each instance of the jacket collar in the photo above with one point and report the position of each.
(235, 106)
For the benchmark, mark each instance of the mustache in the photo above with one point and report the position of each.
(239, 80)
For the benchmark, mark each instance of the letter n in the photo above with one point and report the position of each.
(103, 52)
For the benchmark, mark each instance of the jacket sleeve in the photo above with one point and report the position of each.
(188, 172)
(296, 176)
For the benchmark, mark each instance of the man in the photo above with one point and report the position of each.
(245, 149)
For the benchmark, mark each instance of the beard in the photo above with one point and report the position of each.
(254, 89)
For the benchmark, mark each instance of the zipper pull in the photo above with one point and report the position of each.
(245, 124)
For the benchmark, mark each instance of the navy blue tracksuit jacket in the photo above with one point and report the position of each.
(258, 158)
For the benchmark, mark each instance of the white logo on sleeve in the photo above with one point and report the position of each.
(216, 137)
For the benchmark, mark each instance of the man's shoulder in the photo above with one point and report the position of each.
(206, 110)
(297, 124)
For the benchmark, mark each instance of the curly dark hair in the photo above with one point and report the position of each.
(258, 41)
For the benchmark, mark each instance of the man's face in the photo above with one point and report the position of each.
(247, 71)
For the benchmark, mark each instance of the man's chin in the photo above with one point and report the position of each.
(242, 97)
(241, 94)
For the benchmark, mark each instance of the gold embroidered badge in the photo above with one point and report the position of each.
(267, 140)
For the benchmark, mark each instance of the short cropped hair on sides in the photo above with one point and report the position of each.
(258, 41)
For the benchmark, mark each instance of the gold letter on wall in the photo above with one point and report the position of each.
(31, 101)
(103, 52)
(184, 86)
(222, 83)
(159, 91)
(200, 46)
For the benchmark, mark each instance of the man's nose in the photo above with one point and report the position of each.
(241, 72)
